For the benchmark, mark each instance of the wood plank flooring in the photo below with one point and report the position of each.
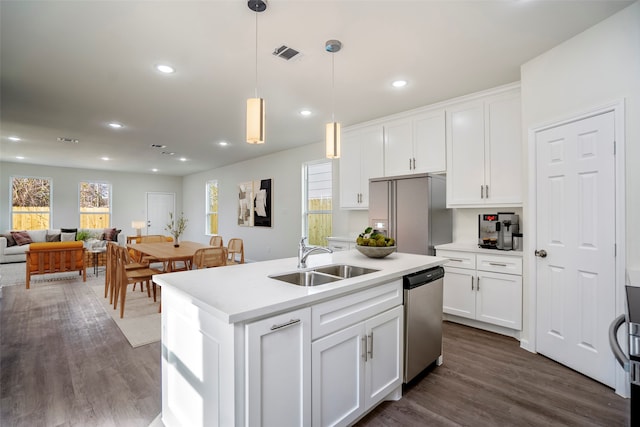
(63, 362)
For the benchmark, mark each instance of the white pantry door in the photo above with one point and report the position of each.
(158, 207)
(576, 227)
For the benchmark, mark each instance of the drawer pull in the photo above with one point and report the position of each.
(456, 259)
(498, 264)
(284, 325)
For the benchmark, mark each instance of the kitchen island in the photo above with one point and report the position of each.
(241, 348)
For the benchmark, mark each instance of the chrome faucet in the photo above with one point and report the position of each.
(304, 251)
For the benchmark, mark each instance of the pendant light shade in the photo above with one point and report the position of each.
(332, 136)
(255, 121)
(255, 106)
(332, 142)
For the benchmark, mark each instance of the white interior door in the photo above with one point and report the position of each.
(158, 207)
(576, 223)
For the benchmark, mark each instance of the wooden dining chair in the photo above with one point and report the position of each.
(124, 277)
(216, 241)
(210, 257)
(235, 248)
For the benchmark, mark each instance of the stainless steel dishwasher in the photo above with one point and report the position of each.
(423, 320)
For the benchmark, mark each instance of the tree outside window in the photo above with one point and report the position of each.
(95, 205)
(30, 203)
(317, 197)
(212, 207)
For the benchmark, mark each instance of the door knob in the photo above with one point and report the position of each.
(541, 253)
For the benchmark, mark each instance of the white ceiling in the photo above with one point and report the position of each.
(68, 68)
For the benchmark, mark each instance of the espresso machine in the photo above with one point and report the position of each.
(495, 231)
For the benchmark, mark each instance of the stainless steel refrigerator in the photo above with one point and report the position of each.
(412, 209)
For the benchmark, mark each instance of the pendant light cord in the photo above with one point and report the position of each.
(256, 51)
(333, 88)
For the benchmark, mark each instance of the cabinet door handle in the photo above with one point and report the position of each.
(370, 351)
(364, 347)
(414, 163)
(284, 325)
(481, 191)
(478, 285)
(471, 282)
(409, 163)
(498, 264)
(486, 191)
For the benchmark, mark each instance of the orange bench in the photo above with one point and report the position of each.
(55, 257)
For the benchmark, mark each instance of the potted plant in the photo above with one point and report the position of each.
(176, 227)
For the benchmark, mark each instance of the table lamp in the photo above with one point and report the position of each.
(138, 225)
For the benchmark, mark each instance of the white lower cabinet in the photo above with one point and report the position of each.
(486, 288)
(279, 370)
(355, 368)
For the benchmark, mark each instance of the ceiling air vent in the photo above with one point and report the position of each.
(285, 52)
(67, 140)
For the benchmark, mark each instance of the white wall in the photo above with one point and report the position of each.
(285, 169)
(128, 192)
(593, 69)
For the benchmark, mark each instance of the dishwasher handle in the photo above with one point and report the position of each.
(423, 277)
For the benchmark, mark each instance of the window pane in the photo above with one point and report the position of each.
(318, 203)
(319, 229)
(212, 207)
(95, 205)
(30, 203)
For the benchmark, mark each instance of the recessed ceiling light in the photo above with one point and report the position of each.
(399, 83)
(154, 170)
(165, 69)
(305, 113)
(182, 159)
(20, 157)
(14, 138)
(169, 153)
(105, 158)
(223, 143)
(115, 125)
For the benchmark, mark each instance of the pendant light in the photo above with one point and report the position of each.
(255, 106)
(332, 136)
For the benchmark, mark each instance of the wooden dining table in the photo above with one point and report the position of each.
(167, 253)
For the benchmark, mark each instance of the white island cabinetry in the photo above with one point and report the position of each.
(240, 348)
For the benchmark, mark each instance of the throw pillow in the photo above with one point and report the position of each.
(69, 230)
(67, 237)
(21, 237)
(53, 237)
(10, 240)
(110, 234)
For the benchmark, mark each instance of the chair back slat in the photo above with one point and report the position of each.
(210, 257)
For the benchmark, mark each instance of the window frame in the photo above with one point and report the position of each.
(208, 212)
(109, 213)
(306, 212)
(49, 212)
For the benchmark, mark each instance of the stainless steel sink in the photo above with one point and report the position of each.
(322, 275)
(345, 271)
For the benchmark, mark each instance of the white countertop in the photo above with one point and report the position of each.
(238, 293)
(473, 247)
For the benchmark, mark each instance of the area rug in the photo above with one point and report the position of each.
(141, 322)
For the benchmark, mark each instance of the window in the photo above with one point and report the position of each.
(95, 205)
(212, 207)
(317, 209)
(30, 203)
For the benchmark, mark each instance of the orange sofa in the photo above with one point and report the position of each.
(55, 257)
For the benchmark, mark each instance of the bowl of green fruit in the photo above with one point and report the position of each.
(375, 244)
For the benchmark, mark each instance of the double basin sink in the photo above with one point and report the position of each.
(323, 275)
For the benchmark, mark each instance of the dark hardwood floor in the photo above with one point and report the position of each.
(63, 362)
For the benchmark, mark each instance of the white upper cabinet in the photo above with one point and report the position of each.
(484, 147)
(415, 144)
(361, 159)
